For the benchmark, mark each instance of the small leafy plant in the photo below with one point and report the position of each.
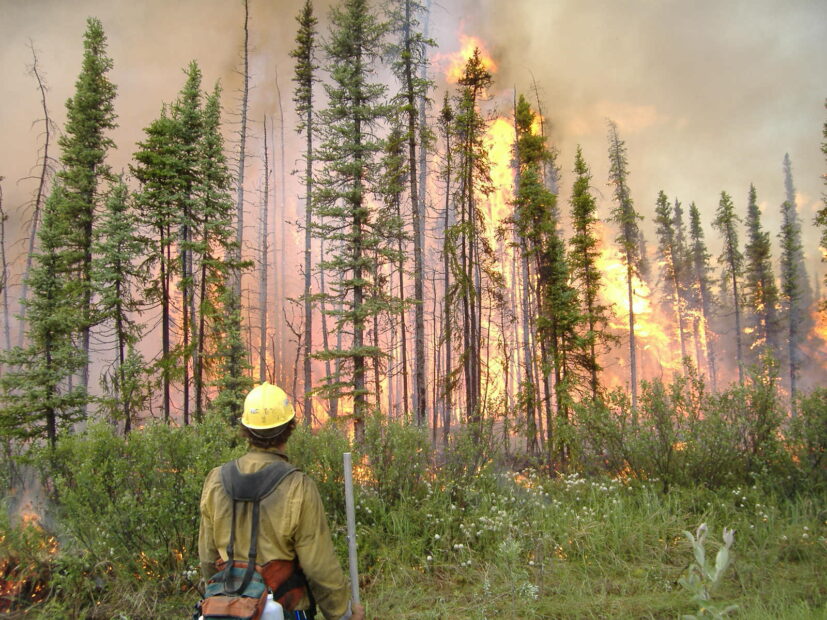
(703, 577)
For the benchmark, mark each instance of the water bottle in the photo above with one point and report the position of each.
(272, 610)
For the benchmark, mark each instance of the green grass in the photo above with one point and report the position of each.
(433, 543)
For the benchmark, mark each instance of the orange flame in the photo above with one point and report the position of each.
(454, 64)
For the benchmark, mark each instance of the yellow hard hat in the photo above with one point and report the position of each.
(266, 406)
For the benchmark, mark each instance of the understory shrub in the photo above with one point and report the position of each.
(683, 434)
(127, 507)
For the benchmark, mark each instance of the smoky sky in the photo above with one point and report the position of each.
(708, 94)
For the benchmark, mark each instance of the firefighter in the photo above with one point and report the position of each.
(294, 541)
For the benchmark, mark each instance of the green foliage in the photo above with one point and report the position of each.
(686, 435)
(128, 509)
(38, 400)
(807, 439)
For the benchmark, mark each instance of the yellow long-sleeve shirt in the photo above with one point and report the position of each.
(292, 524)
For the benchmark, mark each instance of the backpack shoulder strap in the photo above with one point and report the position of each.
(256, 486)
(250, 488)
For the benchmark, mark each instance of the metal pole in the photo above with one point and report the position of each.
(351, 529)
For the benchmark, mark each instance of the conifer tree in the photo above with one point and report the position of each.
(217, 251)
(187, 113)
(792, 294)
(410, 56)
(629, 239)
(466, 242)
(446, 389)
(672, 257)
(804, 317)
(394, 173)
(732, 260)
(90, 115)
(115, 277)
(348, 156)
(38, 398)
(760, 288)
(583, 257)
(305, 76)
(559, 318)
(157, 170)
(233, 380)
(702, 286)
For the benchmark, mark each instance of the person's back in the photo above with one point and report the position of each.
(293, 537)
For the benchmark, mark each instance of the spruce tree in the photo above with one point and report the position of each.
(187, 114)
(702, 286)
(115, 278)
(217, 251)
(560, 319)
(90, 115)
(803, 313)
(410, 56)
(38, 397)
(470, 252)
(305, 76)
(792, 294)
(732, 260)
(583, 256)
(673, 258)
(761, 291)
(157, 170)
(348, 157)
(629, 239)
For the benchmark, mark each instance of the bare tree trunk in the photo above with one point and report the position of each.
(262, 281)
(333, 403)
(39, 198)
(283, 204)
(4, 272)
(242, 148)
(632, 348)
(417, 212)
(403, 336)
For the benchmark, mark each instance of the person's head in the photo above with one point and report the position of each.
(268, 418)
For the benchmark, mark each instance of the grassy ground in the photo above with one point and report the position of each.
(491, 544)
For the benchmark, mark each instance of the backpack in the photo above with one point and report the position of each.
(239, 590)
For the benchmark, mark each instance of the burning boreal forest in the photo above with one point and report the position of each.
(523, 301)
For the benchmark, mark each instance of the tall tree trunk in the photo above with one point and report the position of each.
(263, 267)
(241, 149)
(284, 219)
(738, 350)
(4, 273)
(403, 335)
(165, 319)
(308, 262)
(632, 348)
